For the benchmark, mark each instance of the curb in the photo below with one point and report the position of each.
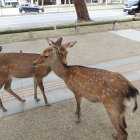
(112, 23)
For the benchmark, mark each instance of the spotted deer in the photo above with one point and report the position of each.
(19, 65)
(112, 89)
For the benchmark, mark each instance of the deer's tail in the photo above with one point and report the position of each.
(133, 93)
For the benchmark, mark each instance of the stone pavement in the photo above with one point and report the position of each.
(116, 51)
(56, 88)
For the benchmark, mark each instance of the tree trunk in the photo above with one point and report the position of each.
(81, 10)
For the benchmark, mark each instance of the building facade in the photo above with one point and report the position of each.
(52, 2)
(58, 2)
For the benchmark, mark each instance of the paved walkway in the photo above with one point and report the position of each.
(107, 50)
(129, 67)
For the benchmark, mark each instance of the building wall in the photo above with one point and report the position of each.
(58, 2)
(2, 3)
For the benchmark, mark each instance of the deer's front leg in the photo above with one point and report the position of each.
(78, 109)
(35, 91)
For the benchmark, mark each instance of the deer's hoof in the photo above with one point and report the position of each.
(4, 110)
(76, 113)
(47, 104)
(37, 100)
(23, 100)
(120, 137)
(77, 121)
(114, 136)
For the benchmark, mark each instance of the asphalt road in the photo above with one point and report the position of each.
(57, 18)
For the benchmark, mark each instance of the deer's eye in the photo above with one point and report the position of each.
(45, 56)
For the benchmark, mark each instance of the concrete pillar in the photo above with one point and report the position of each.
(37, 2)
(106, 2)
(58, 2)
(42, 3)
(100, 1)
(32, 1)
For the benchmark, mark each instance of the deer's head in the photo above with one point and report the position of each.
(49, 54)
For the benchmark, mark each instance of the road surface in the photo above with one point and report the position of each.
(58, 18)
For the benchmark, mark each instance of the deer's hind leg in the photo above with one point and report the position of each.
(7, 87)
(2, 82)
(2, 107)
(123, 121)
(115, 115)
(1, 104)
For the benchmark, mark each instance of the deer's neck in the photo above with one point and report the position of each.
(59, 69)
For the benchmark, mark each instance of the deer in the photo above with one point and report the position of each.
(111, 89)
(19, 65)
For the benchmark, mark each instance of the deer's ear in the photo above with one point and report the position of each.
(58, 42)
(50, 42)
(71, 44)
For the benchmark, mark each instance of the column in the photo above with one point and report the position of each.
(58, 2)
(106, 2)
(32, 1)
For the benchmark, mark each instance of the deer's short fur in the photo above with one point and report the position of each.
(19, 65)
(111, 89)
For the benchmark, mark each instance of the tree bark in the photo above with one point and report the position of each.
(81, 10)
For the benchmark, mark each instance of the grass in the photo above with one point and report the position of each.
(9, 38)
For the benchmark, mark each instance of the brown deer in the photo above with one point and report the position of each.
(97, 85)
(19, 65)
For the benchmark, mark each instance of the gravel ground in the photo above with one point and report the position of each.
(57, 121)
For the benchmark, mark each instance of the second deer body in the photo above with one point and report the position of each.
(111, 89)
(19, 65)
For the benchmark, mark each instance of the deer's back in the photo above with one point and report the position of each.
(19, 65)
(96, 83)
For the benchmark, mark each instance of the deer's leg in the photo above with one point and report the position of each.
(2, 82)
(123, 121)
(1, 105)
(35, 91)
(78, 109)
(7, 87)
(115, 117)
(40, 84)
